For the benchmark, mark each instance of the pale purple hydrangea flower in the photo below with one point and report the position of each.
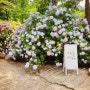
(85, 21)
(26, 65)
(51, 17)
(49, 53)
(57, 13)
(33, 54)
(28, 52)
(34, 67)
(58, 64)
(38, 44)
(56, 54)
(82, 30)
(55, 29)
(33, 47)
(35, 60)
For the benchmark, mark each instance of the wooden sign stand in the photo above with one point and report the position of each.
(70, 61)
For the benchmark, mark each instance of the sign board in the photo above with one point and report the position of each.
(70, 58)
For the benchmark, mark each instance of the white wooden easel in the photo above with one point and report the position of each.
(70, 61)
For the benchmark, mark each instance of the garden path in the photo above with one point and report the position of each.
(13, 76)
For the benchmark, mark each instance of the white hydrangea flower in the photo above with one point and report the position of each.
(27, 40)
(51, 17)
(83, 53)
(63, 29)
(70, 22)
(65, 40)
(85, 21)
(17, 45)
(63, 25)
(82, 59)
(85, 48)
(75, 34)
(49, 46)
(64, 33)
(57, 13)
(52, 42)
(28, 52)
(70, 33)
(31, 59)
(52, 34)
(44, 48)
(78, 33)
(26, 65)
(33, 47)
(82, 44)
(56, 54)
(10, 54)
(76, 15)
(35, 60)
(39, 43)
(61, 10)
(81, 37)
(82, 30)
(58, 64)
(31, 14)
(13, 57)
(34, 67)
(54, 50)
(26, 56)
(55, 29)
(87, 28)
(60, 31)
(30, 43)
(33, 55)
(59, 26)
(37, 28)
(55, 34)
(85, 61)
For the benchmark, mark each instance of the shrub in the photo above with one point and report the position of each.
(5, 34)
(44, 36)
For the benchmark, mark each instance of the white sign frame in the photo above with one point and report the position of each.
(70, 61)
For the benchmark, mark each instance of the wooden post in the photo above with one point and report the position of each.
(54, 2)
(87, 10)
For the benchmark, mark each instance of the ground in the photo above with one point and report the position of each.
(13, 76)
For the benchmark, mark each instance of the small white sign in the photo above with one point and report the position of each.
(70, 58)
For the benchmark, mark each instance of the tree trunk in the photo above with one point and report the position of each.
(54, 2)
(87, 10)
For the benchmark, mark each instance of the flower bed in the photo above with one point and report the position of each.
(43, 36)
(5, 34)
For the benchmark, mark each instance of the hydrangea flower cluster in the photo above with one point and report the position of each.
(5, 34)
(45, 35)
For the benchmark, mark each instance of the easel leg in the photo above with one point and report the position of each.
(77, 71)
(65, 71)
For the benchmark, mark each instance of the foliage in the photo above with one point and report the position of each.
(81, 13)
(41, 5)
(5, 34)
(14, 24)
(43, 36)
(70, 3)
(5, 7)
(18, 10)
(21, 10)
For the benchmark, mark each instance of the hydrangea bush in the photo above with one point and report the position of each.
(44, 36)
(5, 34)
